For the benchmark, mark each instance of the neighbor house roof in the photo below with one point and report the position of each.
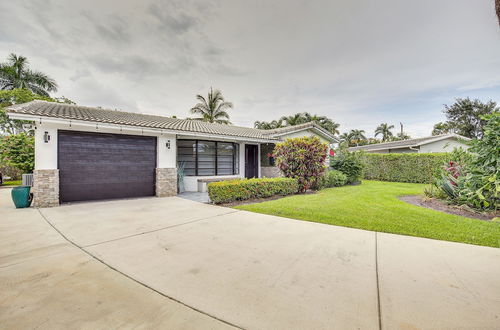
(411, 143)
(37, 109)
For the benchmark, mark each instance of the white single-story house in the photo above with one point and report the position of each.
(437, 143)
(84, 153)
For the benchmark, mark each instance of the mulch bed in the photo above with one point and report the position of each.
(439, 205)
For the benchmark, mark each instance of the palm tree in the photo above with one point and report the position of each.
(324, 122)
(357, 136)
(268, 125)
(385, 130)
(15, 74)
(212, 109)
(296, 119)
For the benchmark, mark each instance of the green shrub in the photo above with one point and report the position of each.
(334, 178)
(349, 163)
(242, 189)
(480, 187)
(407, 167)
(302, 159)
(18, 151)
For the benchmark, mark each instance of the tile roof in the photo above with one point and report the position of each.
(406, 143)
(311, 124)
(39, 108)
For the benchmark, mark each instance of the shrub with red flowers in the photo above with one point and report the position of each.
(302, 159)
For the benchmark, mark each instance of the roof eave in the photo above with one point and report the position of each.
(57, 120)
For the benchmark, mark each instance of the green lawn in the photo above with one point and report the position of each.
(12, 183)
(373, 205)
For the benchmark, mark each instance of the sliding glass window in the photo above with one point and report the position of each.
(204, 158)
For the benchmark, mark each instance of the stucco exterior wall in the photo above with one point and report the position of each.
(46, 153)
(442, 146)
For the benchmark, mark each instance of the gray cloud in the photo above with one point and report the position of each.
(359, 62)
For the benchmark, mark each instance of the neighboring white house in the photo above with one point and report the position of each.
(85, 153)
(437, 143)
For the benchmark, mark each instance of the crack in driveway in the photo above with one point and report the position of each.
(133, 279)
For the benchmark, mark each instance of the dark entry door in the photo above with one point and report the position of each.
(96, 166)
(251, 159)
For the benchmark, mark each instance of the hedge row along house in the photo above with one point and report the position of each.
(84, 153)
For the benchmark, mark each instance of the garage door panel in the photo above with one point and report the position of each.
(105, 166)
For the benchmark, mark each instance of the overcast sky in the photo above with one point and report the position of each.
(359, 62)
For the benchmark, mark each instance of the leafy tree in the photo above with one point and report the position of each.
(212, 109)
(17, 96)
(441, 128)
(385, 130)
(465, 116)
(18, 151)
(15, 74)
(302, 159)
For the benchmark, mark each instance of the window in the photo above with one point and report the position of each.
(201, 158)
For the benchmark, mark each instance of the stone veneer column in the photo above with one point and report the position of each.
(166, 182)
(45, 188)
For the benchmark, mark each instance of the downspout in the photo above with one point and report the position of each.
(416, 149)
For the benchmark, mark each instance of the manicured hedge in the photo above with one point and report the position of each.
(241, 189)
(411, 167)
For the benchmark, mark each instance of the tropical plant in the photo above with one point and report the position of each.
(302, 159)
(349, 163)
(357, 137)
(269, 125)
(296, 119)
(324, 122)
(300, 118)
(15, 74)
(18, 151)
(212, 109)
(466, 117)
(384, 129)
(481, 186)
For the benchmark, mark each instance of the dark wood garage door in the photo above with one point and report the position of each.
(96, 166)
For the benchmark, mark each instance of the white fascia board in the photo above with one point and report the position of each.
(439, 138)
(61, 121)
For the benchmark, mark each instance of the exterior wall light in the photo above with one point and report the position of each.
(167, 144)
(46, 137)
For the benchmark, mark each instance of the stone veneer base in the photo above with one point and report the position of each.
(45, 188)
(166, 182)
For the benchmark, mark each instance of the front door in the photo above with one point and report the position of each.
(251, 161)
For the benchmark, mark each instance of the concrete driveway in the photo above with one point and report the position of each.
(171, 262)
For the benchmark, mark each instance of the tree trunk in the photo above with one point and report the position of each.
(497, 6)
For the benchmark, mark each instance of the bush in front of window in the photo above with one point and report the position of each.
(241, 189)
(302, 159)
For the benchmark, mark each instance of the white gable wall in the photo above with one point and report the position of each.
(446, 145)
